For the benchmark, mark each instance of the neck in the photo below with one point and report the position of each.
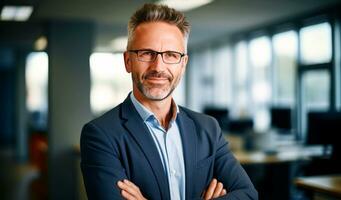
(161, 109)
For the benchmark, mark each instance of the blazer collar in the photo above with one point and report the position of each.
(139, 131)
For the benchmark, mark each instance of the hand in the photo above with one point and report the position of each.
(214, 190)
(130, 191)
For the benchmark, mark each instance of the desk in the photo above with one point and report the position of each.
(328, 185)
(288, 154)
(273, 173)
(281, 153)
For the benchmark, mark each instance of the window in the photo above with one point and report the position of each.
(241, 98)
(316, 48)
(221, 64)
(201, 79)
(285, 66)
(315, 92)
(316, 43)
(209, 77)
(316, 88)
(110, 83)
(260, 57)
(37, 89)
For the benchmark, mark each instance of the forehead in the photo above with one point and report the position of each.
(158, 36)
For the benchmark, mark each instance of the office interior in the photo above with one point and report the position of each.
(268, 71)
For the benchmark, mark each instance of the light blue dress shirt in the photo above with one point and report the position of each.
(169, 146)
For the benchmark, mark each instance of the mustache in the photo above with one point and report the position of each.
(156, 74)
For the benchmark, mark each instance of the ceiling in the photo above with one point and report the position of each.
(209, 22)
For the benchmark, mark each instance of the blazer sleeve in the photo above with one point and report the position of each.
(229, 171)
(100, 164)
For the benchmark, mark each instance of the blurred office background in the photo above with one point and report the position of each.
(268, 70)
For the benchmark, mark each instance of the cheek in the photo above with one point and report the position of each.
(136, 69)
(181, 70)
(138, 74)
(177, 75)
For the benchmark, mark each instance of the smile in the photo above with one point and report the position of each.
(157, 80)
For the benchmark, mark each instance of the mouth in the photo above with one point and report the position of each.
(157, 79)
(154, 76)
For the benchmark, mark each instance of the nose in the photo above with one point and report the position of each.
(158, 63)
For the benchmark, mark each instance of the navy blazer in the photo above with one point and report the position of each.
(119, 146)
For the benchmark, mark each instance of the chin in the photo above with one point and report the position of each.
(157, 95)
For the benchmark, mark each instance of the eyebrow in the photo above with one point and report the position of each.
(158, 51)
(146, 49)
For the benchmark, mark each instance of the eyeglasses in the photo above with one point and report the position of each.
(168, 57)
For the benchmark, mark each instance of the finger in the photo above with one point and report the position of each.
(210, 189)
(218, 189)
(131, 190)
(136, 189)
(127, 196)
(120, 184)
(131, 184)
(203, 193)
(223, 192)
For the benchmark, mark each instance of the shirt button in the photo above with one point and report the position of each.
(173, 172)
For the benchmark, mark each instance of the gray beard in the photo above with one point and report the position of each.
(146, 93)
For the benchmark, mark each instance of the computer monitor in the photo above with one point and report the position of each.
(281, 118)
(220, 114)
(240, 126)
(323, 128)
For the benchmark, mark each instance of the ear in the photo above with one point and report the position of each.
(127, 61)
(184, 63)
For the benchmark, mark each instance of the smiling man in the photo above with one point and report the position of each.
(148, 147)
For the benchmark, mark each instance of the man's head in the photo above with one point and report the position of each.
(156, 51)
(158, 13)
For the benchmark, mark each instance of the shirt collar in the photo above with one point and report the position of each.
(145, 113)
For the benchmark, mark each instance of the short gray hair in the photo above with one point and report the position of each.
(157, 13)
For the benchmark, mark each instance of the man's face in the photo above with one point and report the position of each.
(155, 80)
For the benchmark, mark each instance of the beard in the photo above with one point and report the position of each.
(155, 92)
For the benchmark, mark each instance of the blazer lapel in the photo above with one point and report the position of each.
(140, 132)
(188, 136)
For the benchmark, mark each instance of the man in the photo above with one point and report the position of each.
(148, 147)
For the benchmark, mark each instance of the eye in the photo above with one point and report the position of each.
(172, 54)
(147, 53)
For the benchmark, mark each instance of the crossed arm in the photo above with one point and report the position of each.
(130, 191)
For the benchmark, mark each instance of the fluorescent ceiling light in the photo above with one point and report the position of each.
(186, 5)
(23, 13)
(16, 13)
(8, 12)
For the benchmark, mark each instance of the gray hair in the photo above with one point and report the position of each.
(157, 13)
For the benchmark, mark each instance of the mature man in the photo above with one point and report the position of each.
(148, 147)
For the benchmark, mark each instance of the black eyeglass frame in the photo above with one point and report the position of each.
(157, 53)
